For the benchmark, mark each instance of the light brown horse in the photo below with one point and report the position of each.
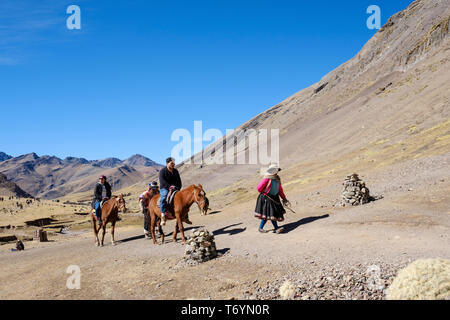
(110, 213)
(180, 206)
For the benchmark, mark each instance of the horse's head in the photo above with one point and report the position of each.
(121, 203)
(201, 199)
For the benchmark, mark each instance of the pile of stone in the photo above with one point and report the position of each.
(200, 247)
(355, 191)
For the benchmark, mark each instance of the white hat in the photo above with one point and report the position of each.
(273, 169)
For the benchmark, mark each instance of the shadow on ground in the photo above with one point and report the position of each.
(229, 232)
(165, 234)
(294, 225)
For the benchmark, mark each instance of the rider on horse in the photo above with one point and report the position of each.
(144, 200)
(102, 193)
(168, 177)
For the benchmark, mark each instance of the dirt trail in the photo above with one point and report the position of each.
(136, 269)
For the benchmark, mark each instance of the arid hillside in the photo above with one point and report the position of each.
(50, 177)
(388, 105)
(10, 189)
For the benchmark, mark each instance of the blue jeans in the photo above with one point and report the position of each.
(263, 223)
(98, 210)
(163, 205)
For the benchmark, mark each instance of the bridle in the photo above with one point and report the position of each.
(200, 202)
(119, 204)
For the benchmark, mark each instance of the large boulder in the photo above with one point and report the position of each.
(424, 279)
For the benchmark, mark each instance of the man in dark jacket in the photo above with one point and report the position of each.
(168, 176)
(102, 193)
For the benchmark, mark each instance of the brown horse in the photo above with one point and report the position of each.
(110, 213)
(182, 202)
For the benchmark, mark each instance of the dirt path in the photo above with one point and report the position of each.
(136, 269)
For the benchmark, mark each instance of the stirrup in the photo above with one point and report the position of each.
(169, 216)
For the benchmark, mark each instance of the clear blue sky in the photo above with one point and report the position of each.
(139, 69)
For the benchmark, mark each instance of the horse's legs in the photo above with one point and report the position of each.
(161, 232)
(175, 233)
(94, 225)
(180, 226)
(152, 226)
(113, 224)
(103, 234)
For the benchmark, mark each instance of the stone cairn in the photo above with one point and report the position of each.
(200, 247)
(355, 191)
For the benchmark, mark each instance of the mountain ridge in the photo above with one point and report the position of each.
(50, 177)
(9, 188)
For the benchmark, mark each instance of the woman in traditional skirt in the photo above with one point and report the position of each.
(268, 205)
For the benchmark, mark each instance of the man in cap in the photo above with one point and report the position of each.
(144, 200)
(102, 193)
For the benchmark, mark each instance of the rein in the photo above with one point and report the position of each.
(279, 203)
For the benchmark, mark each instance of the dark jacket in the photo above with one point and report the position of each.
(167, 179)
(98, 191)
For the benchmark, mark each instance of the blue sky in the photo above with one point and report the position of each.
(138, 69)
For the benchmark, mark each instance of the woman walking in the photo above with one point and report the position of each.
(268, 206)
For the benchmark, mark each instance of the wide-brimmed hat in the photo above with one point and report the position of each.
(153, 184)
(273, 169)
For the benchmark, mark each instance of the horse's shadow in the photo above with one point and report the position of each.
(229, 232)
(185, 229)
(142, 236)
(294, 225)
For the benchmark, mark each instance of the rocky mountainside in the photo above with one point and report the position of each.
(4, 156)
(388, 104)
(51, 177)
(8, 188)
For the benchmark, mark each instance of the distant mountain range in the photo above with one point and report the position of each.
(51, 177)
(9, 188)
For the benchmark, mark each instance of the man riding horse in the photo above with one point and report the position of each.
(169, 178)
(102, 193)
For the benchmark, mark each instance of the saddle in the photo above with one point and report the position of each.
(170, 196)
(93, 206)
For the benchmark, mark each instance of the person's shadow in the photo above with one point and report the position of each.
(294, 225)
(230, 232)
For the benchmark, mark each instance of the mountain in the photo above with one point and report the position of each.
(4, 156)
(8, 188)
(107, 163)
(51, 177)
(387, 105)
(140, 161)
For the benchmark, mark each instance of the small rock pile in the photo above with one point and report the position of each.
(355, 191)
(200, 247)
